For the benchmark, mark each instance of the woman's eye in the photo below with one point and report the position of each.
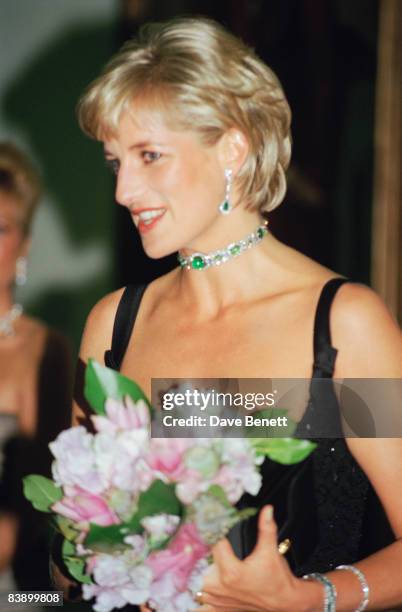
(150, 156)
(113, 165)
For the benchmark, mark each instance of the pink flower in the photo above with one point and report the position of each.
(179, 559)
(83, 507)
(122, 415)
(166, 456)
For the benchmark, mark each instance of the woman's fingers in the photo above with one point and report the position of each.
(267, 542)
(228, 566)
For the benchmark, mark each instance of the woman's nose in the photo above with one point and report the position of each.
(129, 187)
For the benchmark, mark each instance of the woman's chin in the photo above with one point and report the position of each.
(157, 251)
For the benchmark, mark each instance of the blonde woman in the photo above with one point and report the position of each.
(196, 128)
(35, 373)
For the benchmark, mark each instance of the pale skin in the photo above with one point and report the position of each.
(20, 355)
(252, 317)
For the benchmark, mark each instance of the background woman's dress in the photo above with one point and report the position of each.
(21, 455)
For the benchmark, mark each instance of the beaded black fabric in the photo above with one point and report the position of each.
(325, 505)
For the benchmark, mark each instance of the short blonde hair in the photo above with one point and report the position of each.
(20, 180)
(209, 81)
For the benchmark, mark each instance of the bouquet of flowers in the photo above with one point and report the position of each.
(139, 514)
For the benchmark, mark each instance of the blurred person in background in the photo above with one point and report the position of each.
(35, 374)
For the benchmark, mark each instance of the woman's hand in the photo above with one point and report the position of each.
(261, 582)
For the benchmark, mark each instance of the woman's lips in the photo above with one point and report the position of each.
(146, 219)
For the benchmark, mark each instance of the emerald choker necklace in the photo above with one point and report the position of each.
(202, 261)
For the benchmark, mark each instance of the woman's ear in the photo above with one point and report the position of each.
(233, 149)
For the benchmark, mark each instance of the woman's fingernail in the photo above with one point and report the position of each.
(269, 513)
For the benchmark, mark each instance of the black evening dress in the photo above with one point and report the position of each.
(326, 504)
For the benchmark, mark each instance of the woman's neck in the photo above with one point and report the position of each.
(238, 280)
(6, 301)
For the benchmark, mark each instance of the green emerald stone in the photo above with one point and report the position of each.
(198, 263)
(235, 250)
(260, 232)
(225, 206)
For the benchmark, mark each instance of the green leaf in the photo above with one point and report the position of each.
(102, 383)
(246, 513)
(41, 492)
(218, 492)
(105, 537)
(66, 527)
(74, 564)
(159, 498)
(283, 450)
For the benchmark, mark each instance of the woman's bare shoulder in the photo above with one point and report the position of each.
(98, 329)
(295, 269)
(365, 333)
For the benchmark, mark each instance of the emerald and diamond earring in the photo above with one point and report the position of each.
(225, 207)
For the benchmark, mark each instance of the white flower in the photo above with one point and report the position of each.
(139, 587)
(160, 525)
(119, 580)
(197, 577)
(116, 457)
(189, 488)
(75, 460)
(110, 571)
(137, 543)
(106, 599)
(165, 598)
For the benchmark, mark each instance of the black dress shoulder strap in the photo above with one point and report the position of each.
(324, 352)
(321, 418)
(126, 314)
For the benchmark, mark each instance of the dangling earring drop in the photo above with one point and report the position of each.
(225, 207)
(21, 271)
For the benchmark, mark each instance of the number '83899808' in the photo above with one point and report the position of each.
(34, 598)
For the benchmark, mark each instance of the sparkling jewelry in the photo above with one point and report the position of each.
(21, 271)
(201, 261)
(329, 590)
(284, 546)
(363, 583)
(7, 321)
(198, 597)
(225, 207)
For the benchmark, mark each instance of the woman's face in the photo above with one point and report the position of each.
(12, 240)
(170, 182)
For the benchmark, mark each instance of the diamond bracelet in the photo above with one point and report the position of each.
(329, 590)
(363, 583)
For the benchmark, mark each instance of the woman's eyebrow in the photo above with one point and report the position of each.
(143, 144)
(137, 145)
